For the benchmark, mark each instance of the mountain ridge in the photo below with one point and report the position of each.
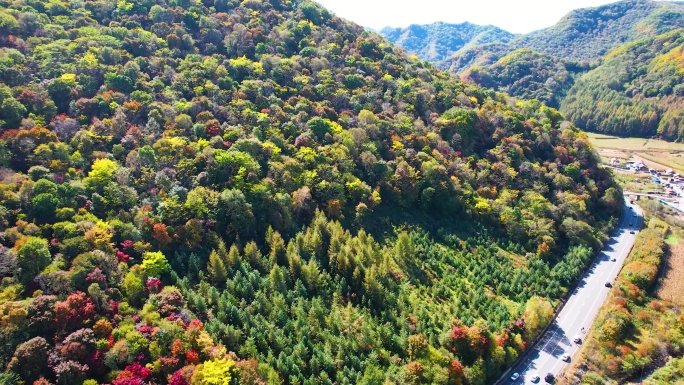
(581, 35)
(438, 41)
(546, 64)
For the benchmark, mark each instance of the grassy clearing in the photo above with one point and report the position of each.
(661, 153)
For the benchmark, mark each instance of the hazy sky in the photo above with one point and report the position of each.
(518, 16)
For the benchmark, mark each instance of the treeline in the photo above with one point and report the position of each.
(260, 192)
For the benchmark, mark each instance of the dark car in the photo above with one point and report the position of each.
(549, 378)
(608, 284)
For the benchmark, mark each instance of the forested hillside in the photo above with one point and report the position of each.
(588, 34)
(638, 91)
(260, 192)
(527, 74)
(636, 83)
(584, 35)
(439, 41)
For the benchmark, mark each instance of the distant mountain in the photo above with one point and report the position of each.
(589, 33)
(640, 97)
(637, 91)
(439, 41)
(582, 35)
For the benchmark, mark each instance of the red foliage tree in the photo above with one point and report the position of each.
(161, 234)
(74, 311)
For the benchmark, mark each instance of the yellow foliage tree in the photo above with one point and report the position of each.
(538, 314)
(214, 372)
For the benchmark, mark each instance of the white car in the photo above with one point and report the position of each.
(515, 376)
(565, 358)
(535, 378)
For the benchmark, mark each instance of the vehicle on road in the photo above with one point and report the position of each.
(631, 225)
(515, 376)
(565, 357)
(608, 284)
(535, 378)
(577, 340)
(613, 260)
(631, 232)
(549, 378)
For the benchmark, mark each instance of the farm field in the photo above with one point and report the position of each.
(655, 153)
(634, 144)
(671, 285)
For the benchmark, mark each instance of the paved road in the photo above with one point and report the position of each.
(582, 307)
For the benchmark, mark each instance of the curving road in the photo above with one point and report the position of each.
(581, 308)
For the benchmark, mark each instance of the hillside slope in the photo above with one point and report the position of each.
(585, 35)
(588, 34)
(527, 74)
(637, 91)
(644, 101)
(259, 191)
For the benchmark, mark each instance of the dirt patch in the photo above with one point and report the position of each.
(671, 284)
